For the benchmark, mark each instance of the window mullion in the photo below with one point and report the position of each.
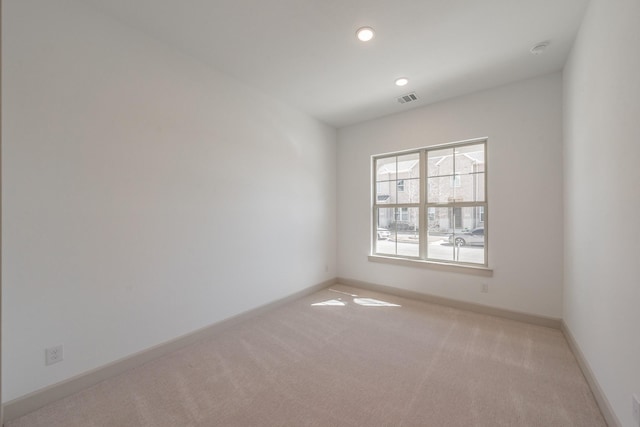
(455, 205)
(422, 211)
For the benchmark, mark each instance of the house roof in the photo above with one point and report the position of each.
(402, 166)
(474, 156)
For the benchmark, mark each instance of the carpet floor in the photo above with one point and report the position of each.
(347, 357)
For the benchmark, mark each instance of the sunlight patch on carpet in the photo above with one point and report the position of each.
(333, 302)
(370, 302)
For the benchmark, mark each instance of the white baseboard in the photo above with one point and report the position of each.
(603, 403)
(33, 401)
(30, 402)
(550, 322)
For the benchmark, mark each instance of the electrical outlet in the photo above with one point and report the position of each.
(485, 288)
(636, 409)
(53, 355)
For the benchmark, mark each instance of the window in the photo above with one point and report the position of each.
(404, 214)
(433, 203)
(431, 212)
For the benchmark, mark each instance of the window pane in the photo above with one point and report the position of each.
(441, 189)
(469, 166)
(398, 232)
(409, 166)
(467, 218)
(398, 179)
(384, 243)
(456, 234)
(440, 162)
(468, 241)
(386, 169)
(385, 192)
(431, 215)
(470, 188)
(439, 223)
(385, 187)
(470, 159)
(473, 254)
(407, 232)
(408, 191)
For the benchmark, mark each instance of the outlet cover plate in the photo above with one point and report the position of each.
(636, 409)
(53, 355)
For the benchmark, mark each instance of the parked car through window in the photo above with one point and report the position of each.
(473, 237)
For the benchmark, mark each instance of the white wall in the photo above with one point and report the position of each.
(145, 195)
(602, 175)
(524, 126)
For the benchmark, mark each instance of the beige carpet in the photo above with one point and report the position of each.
(348, 358)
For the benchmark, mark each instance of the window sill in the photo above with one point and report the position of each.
(442, 266)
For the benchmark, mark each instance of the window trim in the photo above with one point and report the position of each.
(476, 269)
(423, 205)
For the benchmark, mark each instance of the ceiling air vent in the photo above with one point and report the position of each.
(410, 97)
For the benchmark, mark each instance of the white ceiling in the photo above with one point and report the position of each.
(305, 53)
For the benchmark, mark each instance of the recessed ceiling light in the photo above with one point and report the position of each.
(365, 34)
(402, 81)
(539, 48)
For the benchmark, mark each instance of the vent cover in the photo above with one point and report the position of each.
(410, 97)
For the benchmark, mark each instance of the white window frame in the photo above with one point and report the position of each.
(423, 205)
